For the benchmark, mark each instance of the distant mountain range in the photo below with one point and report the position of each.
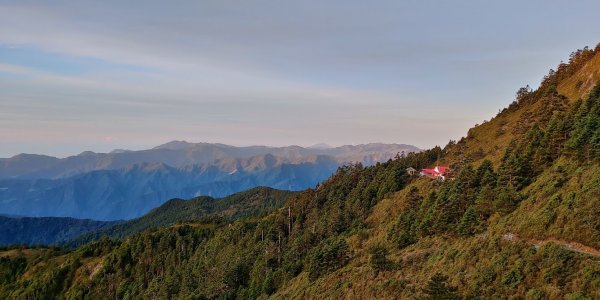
(126, 184)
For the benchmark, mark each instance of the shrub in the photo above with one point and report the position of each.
(378, 258)
(330, 256)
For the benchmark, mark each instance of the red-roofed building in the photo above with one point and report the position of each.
(439, 172)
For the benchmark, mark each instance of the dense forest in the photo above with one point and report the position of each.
(252, 202)
(519, 219)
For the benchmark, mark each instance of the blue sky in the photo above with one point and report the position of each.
(100, 75)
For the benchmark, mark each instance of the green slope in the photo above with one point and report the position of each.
(518, 221)
(248, 203)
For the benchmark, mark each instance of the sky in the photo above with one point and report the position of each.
(103, 75)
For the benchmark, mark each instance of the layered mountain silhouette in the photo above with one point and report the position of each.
(126, 184)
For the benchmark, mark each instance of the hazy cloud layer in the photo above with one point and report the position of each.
(98, 75)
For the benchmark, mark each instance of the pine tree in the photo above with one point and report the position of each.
(468, 223)
(515, 170)
(438, 289)
(534, 139)
(378, 259)
(485, 175)
(585, 137)
(426, 226)
(506, 199)
(485, 199)
(555, 138)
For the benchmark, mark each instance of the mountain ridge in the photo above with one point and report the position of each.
(176, 154)
(129, 191)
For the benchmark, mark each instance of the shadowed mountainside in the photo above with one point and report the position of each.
(44, 231)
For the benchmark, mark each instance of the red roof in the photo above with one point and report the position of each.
(441, 169)
(429, 171)
(438, 170)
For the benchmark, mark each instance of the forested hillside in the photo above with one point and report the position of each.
(519, 220)
(70, 232)
(253, 202)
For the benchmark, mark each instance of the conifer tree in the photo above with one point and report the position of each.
(484, 202)
(468, 223)
(438, 289)
(485, 175)
(378, 258)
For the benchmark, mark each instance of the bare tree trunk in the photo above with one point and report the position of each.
(279, 250)
(289, 221)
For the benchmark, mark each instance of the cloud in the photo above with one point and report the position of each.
(272, 72)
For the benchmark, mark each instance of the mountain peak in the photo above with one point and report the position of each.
(26, 156)
(117, 151)
(174, 145)
(86, 153)
(320, 146)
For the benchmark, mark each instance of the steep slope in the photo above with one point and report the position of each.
(514, 226)
(375, 232)
(584, 76)
(489, 139)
